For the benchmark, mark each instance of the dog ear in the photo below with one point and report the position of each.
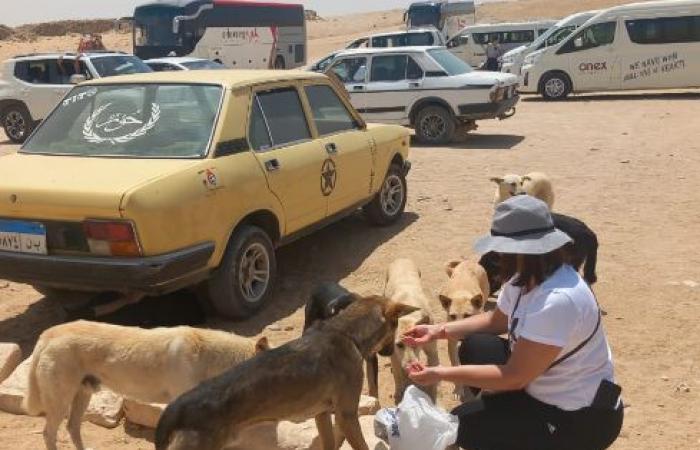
(526, 178)
(394, 310)
(497, 180)
(451, 266)
(445, 301)
(262, 345)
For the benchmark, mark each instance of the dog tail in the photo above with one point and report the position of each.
(165, 428)
(32, 401)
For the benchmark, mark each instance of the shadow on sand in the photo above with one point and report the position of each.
(623, 97)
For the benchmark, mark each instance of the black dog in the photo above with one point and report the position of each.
(582, 252)
(326, 301)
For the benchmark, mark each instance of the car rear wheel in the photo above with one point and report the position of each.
(435, 126)
(17, 123)
(244, 282)
(555, 86)
(390, 202)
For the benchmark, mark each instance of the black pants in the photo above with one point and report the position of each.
(492, 64)
(517, 421)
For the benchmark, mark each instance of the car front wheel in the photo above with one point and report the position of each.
(435, 126)
(390, 202)
(17, 123)
(555, 86)
(244, 282)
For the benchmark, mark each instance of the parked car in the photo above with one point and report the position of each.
(182, 63)
(651, 45)
(425, 88)
(31, 85)
(470, 44)
(155, 182)
(512, 61)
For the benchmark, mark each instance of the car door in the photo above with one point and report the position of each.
(41, 85)
(348, 167)
(594, 63)
(292, 160)
(389, 91)
(352, 71)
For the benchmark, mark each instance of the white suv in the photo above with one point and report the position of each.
(426, 88)
(31, 85)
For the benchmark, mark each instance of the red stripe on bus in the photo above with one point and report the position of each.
(253, 3)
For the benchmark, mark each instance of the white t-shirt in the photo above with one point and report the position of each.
(562, 312)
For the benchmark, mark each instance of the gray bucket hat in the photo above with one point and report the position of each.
(522, 225)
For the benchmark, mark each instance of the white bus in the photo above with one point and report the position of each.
(470, 44)
(649, 45)
(449, 17)
(237, 34)
(512, 61)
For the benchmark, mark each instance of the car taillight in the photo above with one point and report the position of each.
(111, 238)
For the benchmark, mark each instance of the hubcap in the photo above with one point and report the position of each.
(433, 127)
(392, 195)
(555, 87)
(254, 273)
(15, 126)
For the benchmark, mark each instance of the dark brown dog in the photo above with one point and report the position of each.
(317, 375)
(326, 301)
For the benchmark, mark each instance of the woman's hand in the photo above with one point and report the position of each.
(422, 335)
(421, 375)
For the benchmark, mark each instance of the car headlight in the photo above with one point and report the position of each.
(532, 58)
(507, 59)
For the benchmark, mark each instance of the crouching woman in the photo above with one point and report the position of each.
(550, 385)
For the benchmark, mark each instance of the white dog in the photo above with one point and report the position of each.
(72, 360)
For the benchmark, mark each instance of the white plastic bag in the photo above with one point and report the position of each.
(417, 424)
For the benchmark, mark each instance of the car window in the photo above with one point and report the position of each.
(449, 62)
(35, 72)
(258, 133)
(351, 70)
(388, 68)
(324, 63)
(203, 65)
(591, 37)
(284, 116)
(330, 114)
(163, 67)
(131, 121)
(413, 70)
(108, 66)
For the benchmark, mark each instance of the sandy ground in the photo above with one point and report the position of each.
(625, 164)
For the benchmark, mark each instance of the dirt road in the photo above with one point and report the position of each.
(625, 164)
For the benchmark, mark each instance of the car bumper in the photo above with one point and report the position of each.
(479, 111)
(148, 275)
(528, 80)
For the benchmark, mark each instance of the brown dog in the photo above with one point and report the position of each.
(403, 284)
(464, 295)
(72, 360)
(317, 375)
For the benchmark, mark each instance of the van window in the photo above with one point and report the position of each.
(590, 37)
(404, 40)
(351, 70)
(505, 37)
(665, 30)
(389, 68)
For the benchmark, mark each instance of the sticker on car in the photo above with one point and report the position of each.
(97, 129)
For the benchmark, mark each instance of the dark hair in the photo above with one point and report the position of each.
(536, 268)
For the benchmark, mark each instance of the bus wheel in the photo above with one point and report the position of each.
(279, 63)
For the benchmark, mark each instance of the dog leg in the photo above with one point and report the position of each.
(372, 366)
(453, 352)
(324, 424)
(53, 420)
(77, 409)
(350, 425)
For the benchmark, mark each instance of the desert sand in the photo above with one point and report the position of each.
(627, 164)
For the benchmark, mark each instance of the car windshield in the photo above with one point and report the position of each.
(109, 66)
(448, 61)
(203, 65)
(554, 36)
(130, 121)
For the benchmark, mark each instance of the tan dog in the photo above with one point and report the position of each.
(535, 184)
(318, 375)
(464, 295)
(72, 360)
(403, 285)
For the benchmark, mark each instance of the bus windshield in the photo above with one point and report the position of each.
(154, 27)
(421, 16)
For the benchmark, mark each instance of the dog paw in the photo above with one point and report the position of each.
(458, 392)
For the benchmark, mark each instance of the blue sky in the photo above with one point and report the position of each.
(45, 10)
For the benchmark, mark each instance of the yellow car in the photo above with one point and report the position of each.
(155, 182)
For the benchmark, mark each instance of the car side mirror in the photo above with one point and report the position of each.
(77, 78)
(578, 42)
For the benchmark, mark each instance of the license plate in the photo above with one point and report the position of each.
(22, 237)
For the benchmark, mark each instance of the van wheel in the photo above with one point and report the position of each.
(244, 282)
(279, 63)
(17, 123)
(435, 126)
(555, 86)
(390, 202)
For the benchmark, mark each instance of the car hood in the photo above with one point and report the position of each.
(73, 188)
(485, 78)
(516, 51)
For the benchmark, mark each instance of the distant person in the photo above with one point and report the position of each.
(493, 54)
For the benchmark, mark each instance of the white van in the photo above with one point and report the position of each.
(512, 61)
(470, 44)
(649, 45)
(430, 37)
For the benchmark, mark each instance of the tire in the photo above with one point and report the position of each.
(555, 86)
(233, 291)
(279, 63)
(389, 204)
(17, 123)
(435, 126)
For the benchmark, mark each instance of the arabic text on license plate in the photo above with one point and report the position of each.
(22, 237)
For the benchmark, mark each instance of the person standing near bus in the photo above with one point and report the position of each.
(493, 54)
